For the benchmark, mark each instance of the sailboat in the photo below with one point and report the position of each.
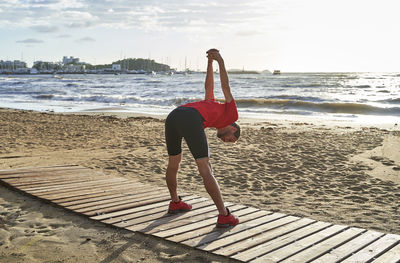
(276, 72)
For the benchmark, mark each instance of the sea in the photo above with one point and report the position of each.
(340, 96)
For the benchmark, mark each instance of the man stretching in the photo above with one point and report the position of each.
(188, 121)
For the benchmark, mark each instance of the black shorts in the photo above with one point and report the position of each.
(187, 123)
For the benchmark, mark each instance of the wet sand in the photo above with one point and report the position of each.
(334, 173)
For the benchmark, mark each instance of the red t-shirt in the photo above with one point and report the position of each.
(215, 114)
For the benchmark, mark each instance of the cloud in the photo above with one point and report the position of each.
(64, 36)
(148, 15)
(78, 19)
(85, 39)
(247, 33)
(30, 41)
(40, 2)
(45, 28)
(79, 24)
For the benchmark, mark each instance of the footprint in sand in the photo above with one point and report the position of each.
(383, 160)
(357, 199)
(44, 231)
(55, 226)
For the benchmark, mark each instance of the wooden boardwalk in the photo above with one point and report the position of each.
(261, 236)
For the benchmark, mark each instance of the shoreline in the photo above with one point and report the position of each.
(324, 171)
(382, 122)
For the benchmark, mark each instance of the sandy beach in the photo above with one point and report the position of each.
(330, 172)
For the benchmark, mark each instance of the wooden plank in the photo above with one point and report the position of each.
(210, 229)
(129, 205)
(87, 201)
(284, 240)
(66, 187)
(87, 189)
(59, 180)
(261, 237)
(77, 186)
(226, 241)
(201, 207)
(191, 217)
(391, 256)
(29, 173)
(130, 197)
(158, 224)
(80, 194)
(127, 212)
(90, 199)
(150, 214)
(116, 203)
(41, 168)
(42, 181)
(160, 220)
(349, 248)
(61, 177)
(48, 174)
(299, 245)
(189, 225)
(374, 250)
(242, 226)
(323, 247)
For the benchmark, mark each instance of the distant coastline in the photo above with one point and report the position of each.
(72, 65)
(243, 72)
(117, 72)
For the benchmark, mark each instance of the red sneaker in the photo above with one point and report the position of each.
(176, 207)
(228, 220)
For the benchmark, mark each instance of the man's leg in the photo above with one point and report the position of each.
(211, 184)
(171, 176)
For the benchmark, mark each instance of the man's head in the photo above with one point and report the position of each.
(229, 133)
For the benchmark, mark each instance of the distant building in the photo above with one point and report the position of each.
(116, 67)
(12, 65)
(70, 60)
(74, 68)
(46, 66)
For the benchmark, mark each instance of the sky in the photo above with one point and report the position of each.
(289, 35)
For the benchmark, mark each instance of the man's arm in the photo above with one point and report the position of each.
(209, 84)
(214, 54)
(224, 81)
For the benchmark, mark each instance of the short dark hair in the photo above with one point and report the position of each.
(237, 132)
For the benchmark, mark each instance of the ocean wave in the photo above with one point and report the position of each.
(305, 85)
(295, 97)
(362, 87)
(289, 104)
(325, 107)
(118, 99)
(44, 96)
(11, 82)
(393, 101)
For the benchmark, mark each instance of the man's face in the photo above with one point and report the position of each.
(227, 135)
(228, 138)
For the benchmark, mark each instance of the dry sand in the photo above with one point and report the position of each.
(342, 175)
